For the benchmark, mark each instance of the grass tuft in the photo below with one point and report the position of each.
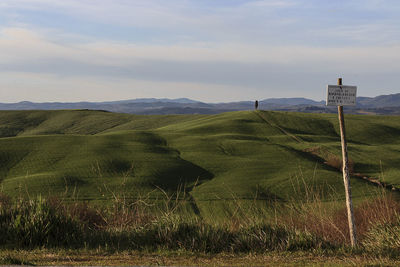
(10, 260)
(383, 238)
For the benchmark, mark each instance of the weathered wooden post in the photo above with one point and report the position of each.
(343, 95)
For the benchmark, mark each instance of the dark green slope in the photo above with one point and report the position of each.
(243, 155)
(96, 165)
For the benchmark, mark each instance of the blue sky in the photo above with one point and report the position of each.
(209, 50)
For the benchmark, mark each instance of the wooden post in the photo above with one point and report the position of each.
(346, 176)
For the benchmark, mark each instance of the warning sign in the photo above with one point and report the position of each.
(341, 95)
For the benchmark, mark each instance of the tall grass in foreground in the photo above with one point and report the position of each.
(52, 224)
(329, 221)
(134, 225)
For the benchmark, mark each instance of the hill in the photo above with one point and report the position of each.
(265, 155)
(381, 101)
(384, 104)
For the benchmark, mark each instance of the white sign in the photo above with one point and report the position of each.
(341, 95)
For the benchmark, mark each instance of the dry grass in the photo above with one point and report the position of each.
(330, 159)
(337, 163)
(331, 223)
(305, 225)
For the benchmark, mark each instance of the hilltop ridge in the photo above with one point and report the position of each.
(384, 104)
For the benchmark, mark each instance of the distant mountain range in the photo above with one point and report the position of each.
(383, 104)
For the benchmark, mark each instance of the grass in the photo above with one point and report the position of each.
(91, 153)
(227, 184)
(95, 258)
(38, 223)
(52, 231)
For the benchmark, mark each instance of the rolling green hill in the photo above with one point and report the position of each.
(92, 155)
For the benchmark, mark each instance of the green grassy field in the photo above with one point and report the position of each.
(263, 155)
(213, 189)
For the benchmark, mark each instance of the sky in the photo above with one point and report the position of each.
(207, 50)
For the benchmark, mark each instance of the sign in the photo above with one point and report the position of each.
(341, 95)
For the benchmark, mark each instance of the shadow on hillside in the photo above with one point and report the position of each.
(186, 173)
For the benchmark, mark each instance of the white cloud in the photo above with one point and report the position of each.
(19, 46)
(177, 21)
(260, 22)
(209, 51)
(271, 3)
(34, 68)
(127, 13)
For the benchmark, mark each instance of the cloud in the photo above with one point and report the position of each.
(262, 22)
(22, 45)
(262, 47)
(271, 3)
(127, 13)
(192, 69)
(178, 21)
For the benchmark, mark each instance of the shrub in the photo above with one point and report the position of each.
(33, 223)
